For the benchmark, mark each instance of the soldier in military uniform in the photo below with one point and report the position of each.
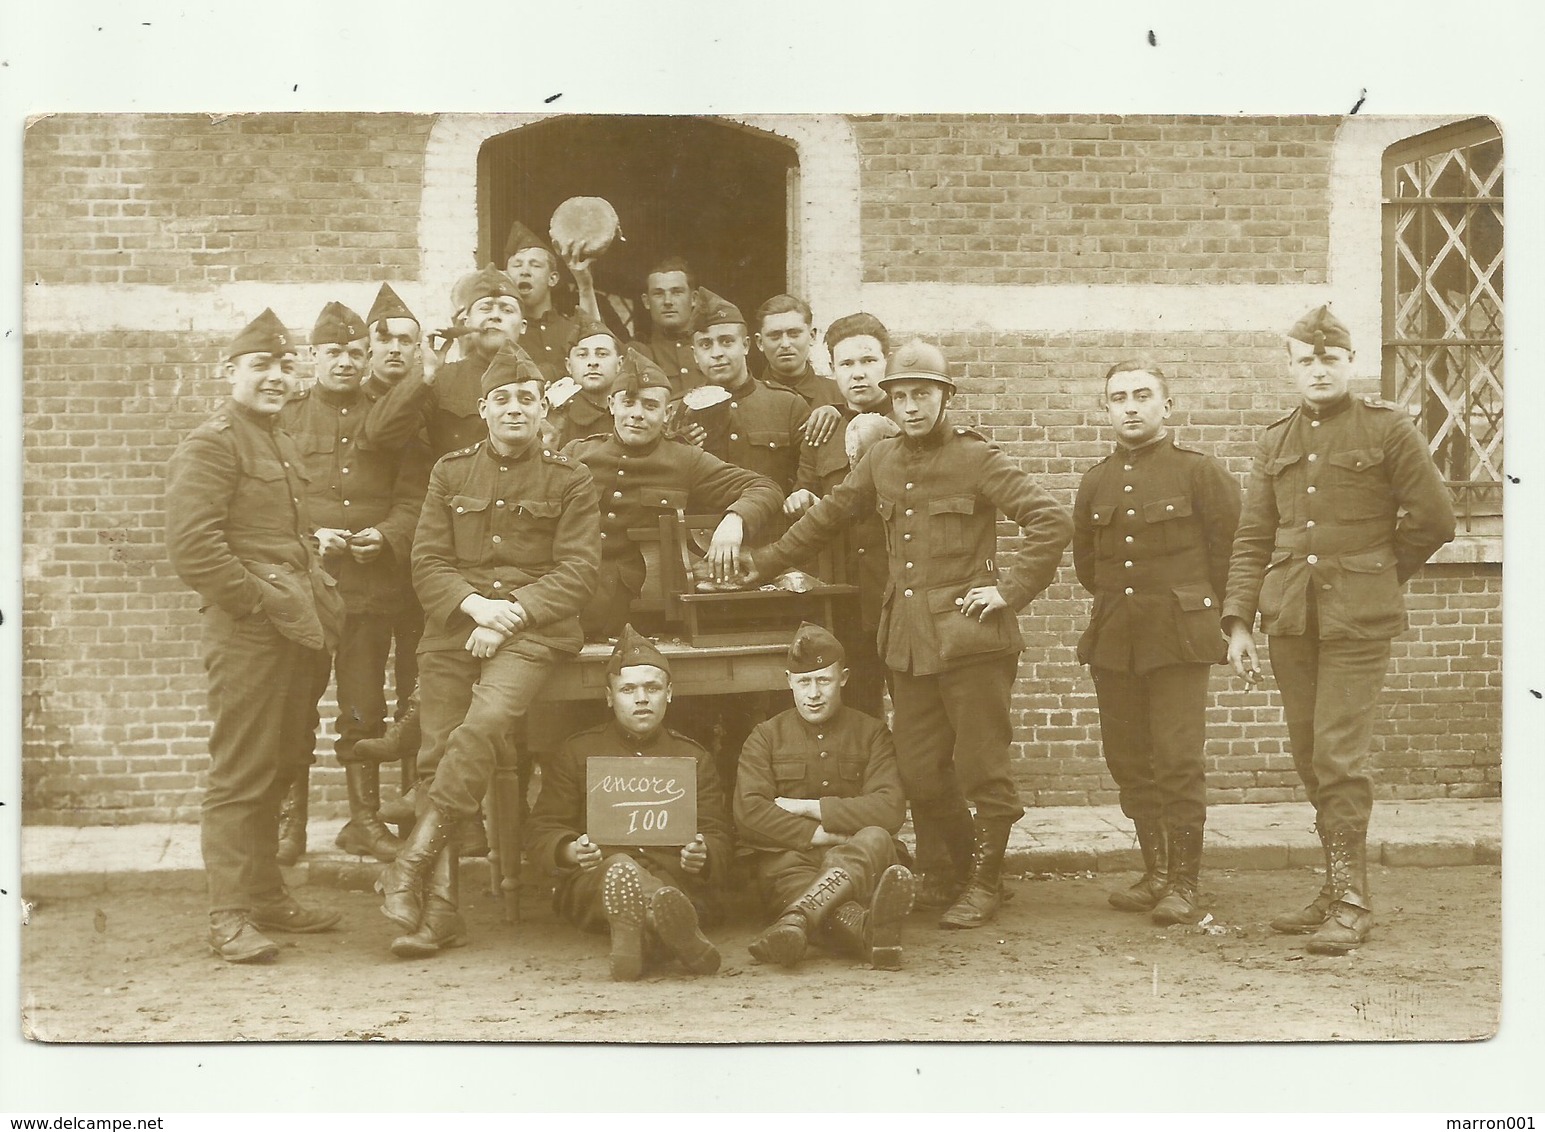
(238, 534)
(670, 295)
(504, 558)
(760, 427)
(1152, 527)
(948, 630)
(650, 898)
(818, 803)
(531, 262)
(858, 345)
(591, 360)
(785, 332)
(365, 504)
(639, 472)
(1344, 504)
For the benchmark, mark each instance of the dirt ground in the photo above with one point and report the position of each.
(1058, 966)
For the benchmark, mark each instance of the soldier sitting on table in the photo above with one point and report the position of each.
(818, 802)
(591, 362)
(650, 898)
(504, 559)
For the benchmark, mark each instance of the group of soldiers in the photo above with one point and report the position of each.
(471, 518)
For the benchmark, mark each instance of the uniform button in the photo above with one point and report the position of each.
(1128, 590)
(618, 495)
(1129, 538)
(611, 514)
(906, 593)
(459, 510)
(1126, 467)
(909, 511)
(345, 412)
(1128, 564)
(860, 550)
(734, 436)
(1310, 523)
(909, 487)
(498, 503)
(294, 499)
(1128, 487)
(505, 467)
(273, 577)
(734, 404)
(345, 471)
(826, 784)
(823, 754)
(344, 440)
(960, 601)
(909, 565)
(1326, 586)
(286, 463)
(1314, 424)
(1310, 489)
(498, 585)
(1130, 512)
(1206, 603)
(347, 503)
(498, 538)
(1169, 507)
(1312, 559)
(603, 534)
(663, 502)
(906, 538)
(1313, 456)
(621, 471)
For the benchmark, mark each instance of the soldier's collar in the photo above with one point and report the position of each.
(262, 420)
(1143, 449)
(933, 438)
(533, 448)
(804, 375)
(334, 398)
(632, 740)
(637, 449)
(742, 388)
(1324, 413)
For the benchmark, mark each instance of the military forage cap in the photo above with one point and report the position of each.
(265, 334)
(337, 323)
(637, 373)
(917, 361)
(510, 366)
(635, 649)
(813, 649)
(480, 285)
(713, 310)
(588, 327)
(388, 305)
(521, 238)
(1321, 329)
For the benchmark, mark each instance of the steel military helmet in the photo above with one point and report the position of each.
(917, 361)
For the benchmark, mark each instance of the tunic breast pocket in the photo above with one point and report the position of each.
(851, 770)
(950, 524)
(263, 499)
(534, 523)
(1358, 485)
(1161, 516)
(789, 770)
(469, 524)
(1285, 474)
(1100, 519)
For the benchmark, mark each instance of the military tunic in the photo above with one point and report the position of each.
(849, 764)
(580, 416)
(521, 527)
(1152, 530)
(674, 355)
(939, 498)
(238, 534)
(444, 412)
(758, 429)
(812, 388)
(635, 485)
(1344, 503)
(559, 817)
(546, 340)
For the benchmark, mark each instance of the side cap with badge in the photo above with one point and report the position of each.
(814, 648)
(634, 648)
(388, 305)
(480, 285)
(337, 325)
(715, 310)
(263, 335)
(1322, 330)
(510, 366)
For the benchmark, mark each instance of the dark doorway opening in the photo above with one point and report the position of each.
(714, 192)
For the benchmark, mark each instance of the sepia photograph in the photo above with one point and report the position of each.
(598, 576)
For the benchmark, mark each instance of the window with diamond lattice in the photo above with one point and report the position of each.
(1443, 301)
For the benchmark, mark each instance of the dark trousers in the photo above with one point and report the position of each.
(1153, 731)
(263, 692)
(1330, 690)
(407, 631)
(577, 897)
(782, 876)
(867, 673)
(953, 738)
(360, 665)
(468, 708)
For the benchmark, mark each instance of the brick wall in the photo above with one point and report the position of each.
(1045, 199)
(115, 720)
(192, 200)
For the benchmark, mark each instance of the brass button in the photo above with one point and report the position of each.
(909, 565)
(498, 538)
(1314, 424)
(1312, 559)
(734, 436)
(1128, 487)
(1128, 590)
(906, 593)
(906, 538)
(909, 487)
(498, 585)
(1129, 538)
(1310, 489)
(1130, 512)
(1310, 523)
(1313, 456)
(498, 503)
(459, 510)
(1128, 564)
(1206, 603)
(909, 511)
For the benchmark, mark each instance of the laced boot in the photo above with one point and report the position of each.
(673, 921)
(1182, 901)
(283, 913)
(983, 896)
(233, 938)
(1351, 916)
(1149, 889)
(874, 933)
(785, 941)
(403, 882)
(622, 898)
(401, 737)
(1310, 917)
(364, 834)
(442, 926)
(292, 819)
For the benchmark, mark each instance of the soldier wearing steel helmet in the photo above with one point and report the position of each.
(1343, 505)
(948, 630)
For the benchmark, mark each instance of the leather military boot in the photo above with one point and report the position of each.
(402, 737)
(785, 941)
(364, 834)
(472, 835)
(622, 898)
(983, 896)
(1351, 916)
(940, 884)
(1149, 888)
(283, 913)
(403, 882)
(442, 926)
(1309, 918)
(673, 921)
(1182, 902)
(233, 938)
(874, 933)
(292, 819)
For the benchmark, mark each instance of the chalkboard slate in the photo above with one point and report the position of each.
(640, 801)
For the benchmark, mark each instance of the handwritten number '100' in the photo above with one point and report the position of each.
(652, 820)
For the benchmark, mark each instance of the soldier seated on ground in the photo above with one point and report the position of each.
(651, 898)
(818, 802)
